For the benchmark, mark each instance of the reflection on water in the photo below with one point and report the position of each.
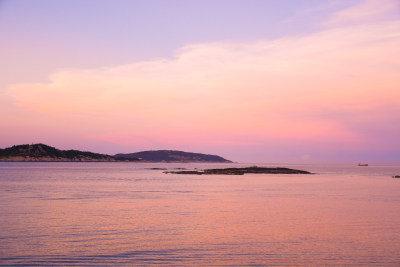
(129, 214)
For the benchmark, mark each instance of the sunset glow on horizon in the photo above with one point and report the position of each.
(328, 93)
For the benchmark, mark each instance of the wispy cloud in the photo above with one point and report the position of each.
(365, 12)
(314, 89)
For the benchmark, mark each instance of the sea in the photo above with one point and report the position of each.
(134, 214)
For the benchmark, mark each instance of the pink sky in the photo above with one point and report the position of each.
(328, 95)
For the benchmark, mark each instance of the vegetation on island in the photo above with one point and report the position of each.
(173, 156)
(41, 152)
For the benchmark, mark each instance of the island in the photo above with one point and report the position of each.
(241, 171)
(171, 156)
(45, 153)
(42, 152)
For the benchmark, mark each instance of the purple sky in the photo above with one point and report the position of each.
(256, 81)
(42, 36)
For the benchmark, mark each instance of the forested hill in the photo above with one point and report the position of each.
(41, 152)
(172, 156)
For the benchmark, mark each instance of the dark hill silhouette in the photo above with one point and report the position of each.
(41, 152)
(172, 156)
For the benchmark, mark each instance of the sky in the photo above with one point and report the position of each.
(306, 81)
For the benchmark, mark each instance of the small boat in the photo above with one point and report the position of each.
(362, 164)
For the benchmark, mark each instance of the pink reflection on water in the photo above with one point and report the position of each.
(122, 214)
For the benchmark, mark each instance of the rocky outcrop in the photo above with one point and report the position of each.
(241, 171)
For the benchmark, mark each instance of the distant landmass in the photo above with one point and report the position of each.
(42, 152)
(173, 156)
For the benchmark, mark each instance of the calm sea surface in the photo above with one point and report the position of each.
(128, 214)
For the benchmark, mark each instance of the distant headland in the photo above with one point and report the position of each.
(172, 156)
(41, 152)
(45, 153)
